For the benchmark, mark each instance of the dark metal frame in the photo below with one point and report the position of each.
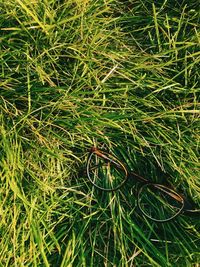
(186, 206)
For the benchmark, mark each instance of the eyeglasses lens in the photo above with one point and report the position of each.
(159, 203)
(107, 174)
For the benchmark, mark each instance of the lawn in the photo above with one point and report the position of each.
(122, 76)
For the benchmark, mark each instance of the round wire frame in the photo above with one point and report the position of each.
(118, 164)
(170, 192)
(115, 162)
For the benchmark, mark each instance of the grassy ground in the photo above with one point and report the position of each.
(122, 74)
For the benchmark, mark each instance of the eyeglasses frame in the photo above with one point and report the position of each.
(170, 191)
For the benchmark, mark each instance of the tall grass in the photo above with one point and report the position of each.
(117, 74)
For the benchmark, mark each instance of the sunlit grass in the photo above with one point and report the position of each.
(123, 75)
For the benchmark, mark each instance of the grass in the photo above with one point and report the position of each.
(118, 74)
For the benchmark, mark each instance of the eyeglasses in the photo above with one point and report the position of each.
(157, 202)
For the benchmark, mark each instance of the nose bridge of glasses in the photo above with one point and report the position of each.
(138, 177)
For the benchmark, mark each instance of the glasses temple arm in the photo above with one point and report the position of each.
(103, 156)
(130, 174)
(189, 207)
(169, 191)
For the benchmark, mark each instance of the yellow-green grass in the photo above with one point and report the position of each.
(117, 74)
